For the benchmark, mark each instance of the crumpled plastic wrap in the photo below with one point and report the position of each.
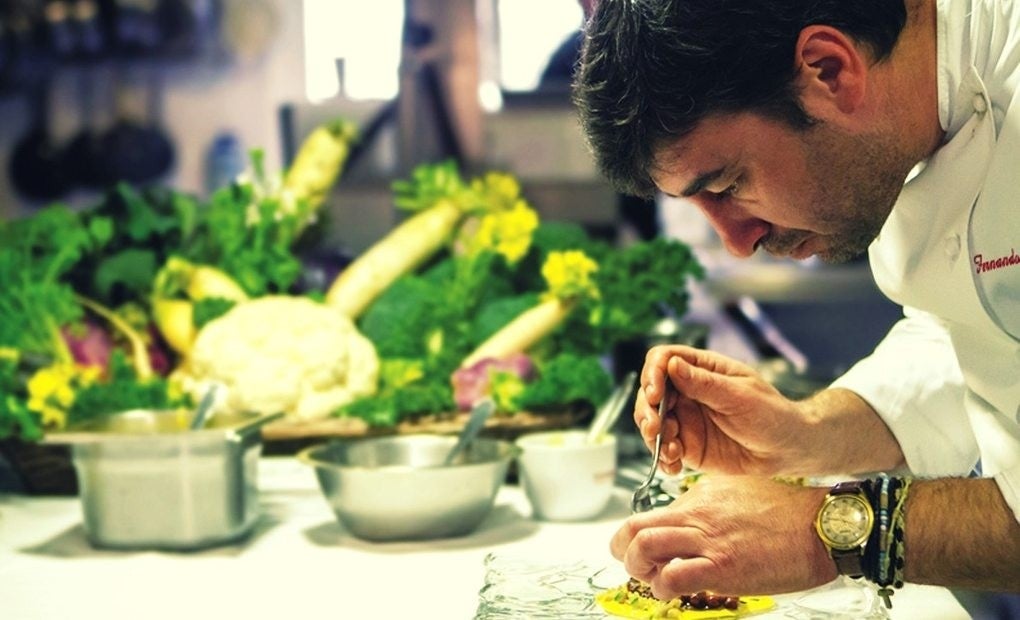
(517, 588)
(843, 599)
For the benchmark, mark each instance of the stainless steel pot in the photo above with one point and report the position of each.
(145, 481)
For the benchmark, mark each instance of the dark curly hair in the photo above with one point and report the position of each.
(651, 70)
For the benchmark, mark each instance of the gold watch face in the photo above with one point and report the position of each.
(845, 521)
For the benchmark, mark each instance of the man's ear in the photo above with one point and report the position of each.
(832, 73)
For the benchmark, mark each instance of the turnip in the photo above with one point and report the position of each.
(180, 283)
(319, 162)
(401, 251)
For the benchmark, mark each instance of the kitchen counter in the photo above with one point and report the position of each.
(299, 560)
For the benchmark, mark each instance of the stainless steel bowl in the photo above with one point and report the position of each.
(396, 488)
(147, 482)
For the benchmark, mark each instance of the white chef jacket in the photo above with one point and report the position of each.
(946, 379)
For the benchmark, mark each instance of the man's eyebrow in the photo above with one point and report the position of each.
(704, 180)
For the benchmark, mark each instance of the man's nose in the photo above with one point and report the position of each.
(738, 231)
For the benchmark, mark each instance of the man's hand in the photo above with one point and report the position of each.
(723, 416)
(733, 536)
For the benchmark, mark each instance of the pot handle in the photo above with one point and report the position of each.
(240, 432)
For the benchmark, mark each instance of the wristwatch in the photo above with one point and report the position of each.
(844, 524)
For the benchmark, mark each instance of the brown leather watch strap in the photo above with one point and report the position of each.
(849, 563)
(848, 486)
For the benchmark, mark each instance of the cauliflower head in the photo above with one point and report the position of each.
(280, 353)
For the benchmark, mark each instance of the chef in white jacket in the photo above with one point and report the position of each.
(829, 128)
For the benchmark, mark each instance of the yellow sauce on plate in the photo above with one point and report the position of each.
(625, 604)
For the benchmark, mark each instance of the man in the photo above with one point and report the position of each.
(794, 125)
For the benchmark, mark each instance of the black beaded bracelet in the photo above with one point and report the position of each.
(871, 560)
(883, 559)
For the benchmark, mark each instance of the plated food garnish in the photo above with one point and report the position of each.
(634, 599)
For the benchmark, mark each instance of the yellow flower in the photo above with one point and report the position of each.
(505, 388)
(87, 375)
(9, 354)
(51, 390)
(509, 232)
(497, 191)
(53, 417)
(569, 275)
(399, 372)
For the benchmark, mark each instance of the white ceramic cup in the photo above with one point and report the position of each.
(565, 477)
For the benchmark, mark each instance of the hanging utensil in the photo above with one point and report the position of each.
(37, 168)
(135, 28)
(24, 56)
(84, 152)
(137, 151)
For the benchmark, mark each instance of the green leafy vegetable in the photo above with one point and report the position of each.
(35, 303)
(248, 230)
(15, 417)
(122, 390)
(429, 184)
(639, 285)
(210, 308)
(564, 379)
(130, 270)
(389, 408)
(144, 229)
(400, 321)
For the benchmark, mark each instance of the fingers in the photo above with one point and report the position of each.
(723, 387)
(693, 372)
(681, 576)
(649, 550)
(621, 539)
(639, 526)
(671, 455)
(653, 373)
(646, 418)
(700, 378)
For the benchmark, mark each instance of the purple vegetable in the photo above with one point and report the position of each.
(472, 382)
(89, 344)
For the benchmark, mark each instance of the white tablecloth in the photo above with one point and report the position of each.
(298, 561)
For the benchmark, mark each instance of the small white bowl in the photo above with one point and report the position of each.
(565, 477)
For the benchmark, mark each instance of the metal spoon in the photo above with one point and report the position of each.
(202, 413)
(479, 414)
(642, 500)
(610, 410)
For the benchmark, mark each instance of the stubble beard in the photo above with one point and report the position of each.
(857, 180)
